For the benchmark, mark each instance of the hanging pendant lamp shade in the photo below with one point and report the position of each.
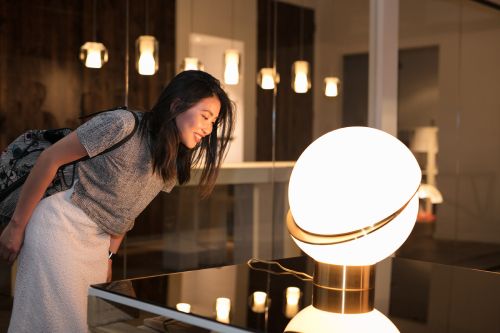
(146, 53)
(268, 78)
(331, 86)
(232, 67)
(301, 81)
(191, 63)
(93, 54)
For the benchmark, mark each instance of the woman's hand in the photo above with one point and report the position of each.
(110, 270)
(11, 241)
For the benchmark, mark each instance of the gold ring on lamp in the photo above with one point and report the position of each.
(319, 239)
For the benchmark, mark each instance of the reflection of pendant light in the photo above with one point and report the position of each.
(232, 58)
(223, 309)
(268, 77)
(146, 51)
(331, 86)
(372, 178)
(301, 81)
(191, 63)
(93, 54)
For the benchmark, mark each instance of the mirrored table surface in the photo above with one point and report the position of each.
(263, 297)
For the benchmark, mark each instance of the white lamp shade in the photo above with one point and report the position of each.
(312, 320)
(231, 67)
(267, 78)
(93, 54)
(147, 55)
(430, 191)
(301, 81)
(348, 180)
(331, 86)
(425, 140)
(191, 63)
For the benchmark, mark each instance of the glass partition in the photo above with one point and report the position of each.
(448, 110)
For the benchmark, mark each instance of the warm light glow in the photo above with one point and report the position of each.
(184, 307)
(259, 299)
(292, 301)
(431, 192)
(222, 309)
(425, 140)
(300, 77)
(191, 63)
(331, 86)
(312, 320)
(147, 55)
(349, 179)
(93, 54)
(232, 67)
(267, 78)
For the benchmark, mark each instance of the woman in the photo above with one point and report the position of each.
(63, 240)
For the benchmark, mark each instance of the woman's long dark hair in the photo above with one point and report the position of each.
(170, 157)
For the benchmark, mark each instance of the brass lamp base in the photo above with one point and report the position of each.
(344, 289)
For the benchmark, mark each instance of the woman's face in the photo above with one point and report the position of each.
(197, 122)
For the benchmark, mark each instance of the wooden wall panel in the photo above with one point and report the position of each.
(294, 112)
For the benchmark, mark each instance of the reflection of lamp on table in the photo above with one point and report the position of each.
(425, 140)
(353, 202)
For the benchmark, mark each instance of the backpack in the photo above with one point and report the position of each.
(17, 160)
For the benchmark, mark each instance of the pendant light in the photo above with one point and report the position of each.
(331, 86)
(268, 77)
(146, 50)
(301, 80)
(93, 54)
(191, 63)
(232, 58)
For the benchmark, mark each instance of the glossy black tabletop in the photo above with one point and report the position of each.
(416, 296)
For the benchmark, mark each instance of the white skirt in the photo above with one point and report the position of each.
(63, 253)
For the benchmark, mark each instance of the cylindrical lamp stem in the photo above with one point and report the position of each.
(344, 289)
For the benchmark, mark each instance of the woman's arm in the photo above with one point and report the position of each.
(114, 245)
(66, 150)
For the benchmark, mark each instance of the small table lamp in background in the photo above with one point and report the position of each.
(353, 202)
(425, 141)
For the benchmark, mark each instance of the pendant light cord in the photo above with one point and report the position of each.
(94, 21)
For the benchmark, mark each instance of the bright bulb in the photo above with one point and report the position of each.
(231, 70)
(331, 86)
(223, 309)
(300, 74)
(147, 54)
(146, 64)
(267, 78)
(259, 299)
(183, 307)
(191, 63)
(93, 54)
(292, 301)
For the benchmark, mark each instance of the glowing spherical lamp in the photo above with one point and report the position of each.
(353, 202)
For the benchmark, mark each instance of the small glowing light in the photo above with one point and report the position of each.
(331, 86)
(147, 55)
(300, 77)
(267, 78)
(183, 307)
(93, 54)
(232, 67)
(430, 191)
(292, 301)
(222, 309)
(259, 299)
(191, 63)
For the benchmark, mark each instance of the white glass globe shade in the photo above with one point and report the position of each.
(350, 179)
(312, 320)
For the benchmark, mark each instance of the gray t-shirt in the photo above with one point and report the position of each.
(115, 187)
